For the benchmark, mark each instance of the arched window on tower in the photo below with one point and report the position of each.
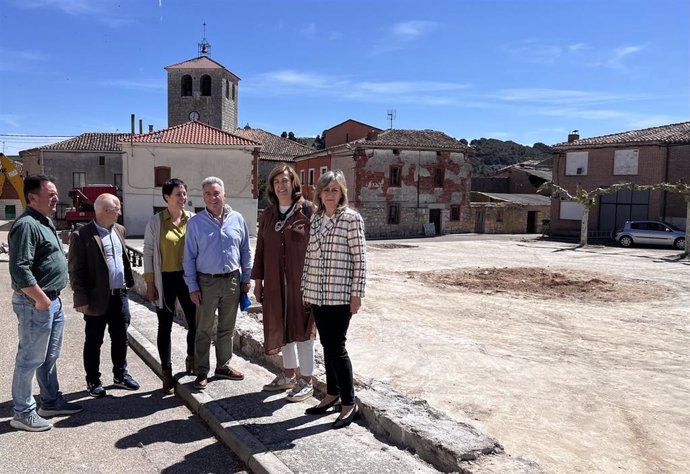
(227, 89)
(186, 85)
(205, 84)
(233, 91)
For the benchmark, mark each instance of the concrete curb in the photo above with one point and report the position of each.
(407, 422)
(249, 449)
(410, 423)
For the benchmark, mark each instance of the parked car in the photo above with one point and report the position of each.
(650, 232)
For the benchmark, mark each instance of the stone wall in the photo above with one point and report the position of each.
(218, 110)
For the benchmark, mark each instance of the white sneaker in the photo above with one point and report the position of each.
(301, 391)
(280, 383)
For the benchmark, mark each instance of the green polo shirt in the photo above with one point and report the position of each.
(36, 255)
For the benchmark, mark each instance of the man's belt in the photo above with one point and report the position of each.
(118, 291)
(52, 294)
(220, 275)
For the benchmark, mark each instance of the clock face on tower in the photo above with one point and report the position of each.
(193, 115)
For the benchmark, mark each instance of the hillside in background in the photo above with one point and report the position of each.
(491, 154)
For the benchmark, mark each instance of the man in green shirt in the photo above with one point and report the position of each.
(38, 269)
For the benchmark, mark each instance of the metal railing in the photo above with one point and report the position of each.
(136, 258)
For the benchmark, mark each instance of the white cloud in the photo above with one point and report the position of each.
(401, 34)
(71, 7)
(312, 84)
(139, 85)
(11, 60)
(586, 114)
(646, 121)
(10, 120)
(411, 30)
(309, 30)
(532, 51)
(99, 9)
(401, 87)
(557, 96)
(617, 58)
(289, 77)
(573, 48)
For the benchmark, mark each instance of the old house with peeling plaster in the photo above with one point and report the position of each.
(403, 182)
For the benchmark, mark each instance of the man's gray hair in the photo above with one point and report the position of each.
(212, 180)
(105, 201)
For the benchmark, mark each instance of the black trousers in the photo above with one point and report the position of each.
(174, 288)
(332, 323)
(117, 320)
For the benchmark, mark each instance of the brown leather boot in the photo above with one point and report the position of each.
(168, 382)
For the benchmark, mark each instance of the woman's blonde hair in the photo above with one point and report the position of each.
(296, 183)
(324, 180)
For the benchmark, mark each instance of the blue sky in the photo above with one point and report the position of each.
(522, 70)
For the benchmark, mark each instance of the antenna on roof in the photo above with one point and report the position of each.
(391, 116)
(204, 46)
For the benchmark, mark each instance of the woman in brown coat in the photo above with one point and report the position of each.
(278, 262)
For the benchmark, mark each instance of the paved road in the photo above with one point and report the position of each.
(139, 432)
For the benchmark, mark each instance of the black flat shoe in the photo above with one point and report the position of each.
(317, 410)
(343, 422)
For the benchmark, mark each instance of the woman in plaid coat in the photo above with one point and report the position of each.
(333, 283)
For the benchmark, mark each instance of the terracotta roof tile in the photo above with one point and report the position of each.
(401, 139)
(413, 139)
(193, 133)
(665, 134)
(354, 121)
(274, 148)
(91, 141)
(202, 62)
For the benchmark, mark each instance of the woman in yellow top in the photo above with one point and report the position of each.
(163, 252)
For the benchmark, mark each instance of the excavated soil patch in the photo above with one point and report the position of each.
(541, 283)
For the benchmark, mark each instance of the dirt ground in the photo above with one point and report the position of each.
(576, 358)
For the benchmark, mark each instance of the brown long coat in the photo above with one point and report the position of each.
(278, 261)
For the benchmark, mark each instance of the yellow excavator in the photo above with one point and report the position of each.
(10, 172)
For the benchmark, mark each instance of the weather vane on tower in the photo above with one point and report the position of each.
(204, 46)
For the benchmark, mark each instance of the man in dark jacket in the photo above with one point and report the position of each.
(39, 272)
(100, 273)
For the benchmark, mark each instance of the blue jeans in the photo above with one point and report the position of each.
(40, 341)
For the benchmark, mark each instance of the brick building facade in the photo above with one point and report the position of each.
(649, 156)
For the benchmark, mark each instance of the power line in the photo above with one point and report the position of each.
(30, 136)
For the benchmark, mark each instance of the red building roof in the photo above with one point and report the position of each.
(665, 134)
(193, 133)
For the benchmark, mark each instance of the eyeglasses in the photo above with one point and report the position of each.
(113, 209)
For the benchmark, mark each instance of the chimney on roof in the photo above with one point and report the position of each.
(133, 122)
(574, 135)
(372, 135)
(141, 126)
(150, 128)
